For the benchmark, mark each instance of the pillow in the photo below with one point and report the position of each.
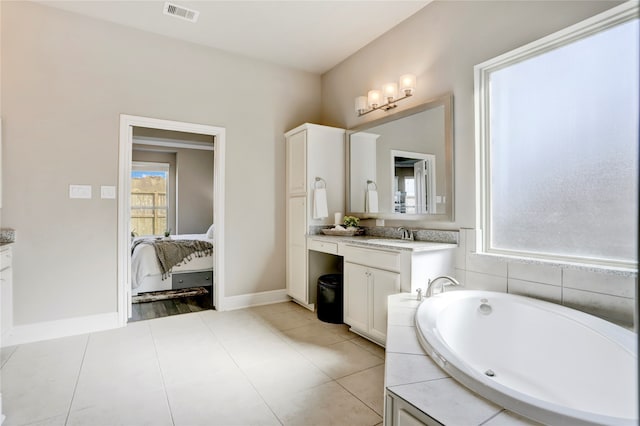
(210, 232)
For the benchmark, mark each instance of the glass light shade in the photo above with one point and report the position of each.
(390, 91)
(374, 98)
(361, 104)
(408, 84)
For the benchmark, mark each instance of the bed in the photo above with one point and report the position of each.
(147, 274)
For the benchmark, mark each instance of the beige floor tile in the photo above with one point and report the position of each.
(257, 350)
(341, 359)
(275, 308)
(312, 335)
(233, 325)
(325, 405)
(285, 376)
(149, 408)
(367, 386)
(116, 384)
(229, 399)
(369, 346)
(288, 320)
(39, 379)
(196, 362)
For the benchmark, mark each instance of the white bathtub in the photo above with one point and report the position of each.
(544, 361)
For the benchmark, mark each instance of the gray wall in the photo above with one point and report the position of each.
(441, 44)
(195, 191)
(65, 81)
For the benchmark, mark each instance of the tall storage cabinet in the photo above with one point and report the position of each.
(315, 158)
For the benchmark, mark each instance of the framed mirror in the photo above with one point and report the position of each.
(401, 166)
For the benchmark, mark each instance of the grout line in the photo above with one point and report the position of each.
(75, 386)
(493, 417)
(164, 384)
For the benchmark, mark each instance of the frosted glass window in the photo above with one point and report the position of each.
(562, 154)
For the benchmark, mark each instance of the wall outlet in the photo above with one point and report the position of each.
(379, 222)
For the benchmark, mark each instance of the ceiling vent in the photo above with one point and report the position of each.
(180, 12)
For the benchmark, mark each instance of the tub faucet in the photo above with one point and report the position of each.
(406, 233)
(441, 279)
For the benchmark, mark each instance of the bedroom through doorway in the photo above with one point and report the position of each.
(169, 192)
(171, 223)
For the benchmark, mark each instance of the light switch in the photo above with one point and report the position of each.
(79, 191)
(107, 192)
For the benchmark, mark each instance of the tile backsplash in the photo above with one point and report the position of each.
(611, 296)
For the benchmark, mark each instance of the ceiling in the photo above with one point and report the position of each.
(309, 35)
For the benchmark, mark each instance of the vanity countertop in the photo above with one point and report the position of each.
(387, 243)
(413, 376)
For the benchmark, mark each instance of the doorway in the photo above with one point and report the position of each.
(144, 125)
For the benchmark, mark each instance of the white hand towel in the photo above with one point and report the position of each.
(371, 201)
(320, 210)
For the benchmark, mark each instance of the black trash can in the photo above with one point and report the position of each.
(330, 297)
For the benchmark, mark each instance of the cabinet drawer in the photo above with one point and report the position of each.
(5, 259)
(323, 246)
(383, 259)
(191, 279)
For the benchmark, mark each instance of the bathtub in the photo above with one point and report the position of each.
(544, 361)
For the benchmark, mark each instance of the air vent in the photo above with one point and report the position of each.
(180, 12)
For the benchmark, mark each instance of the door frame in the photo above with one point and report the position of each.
(127, 122)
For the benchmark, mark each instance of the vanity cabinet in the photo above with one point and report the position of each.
(365, 299)
(398, 412)
(315, 158)
(371, 275)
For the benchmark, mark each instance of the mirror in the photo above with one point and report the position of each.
(401, 166)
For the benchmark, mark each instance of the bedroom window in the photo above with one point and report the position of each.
(149, 198)
(557, 145)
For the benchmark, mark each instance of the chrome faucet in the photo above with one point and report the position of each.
(441, 279)
(406, 233)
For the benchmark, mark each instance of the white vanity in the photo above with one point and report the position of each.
(375, 268)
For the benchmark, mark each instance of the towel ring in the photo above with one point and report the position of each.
(321, 182)
(370, 182)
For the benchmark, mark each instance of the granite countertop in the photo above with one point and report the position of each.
(412, 375)
(380, 242)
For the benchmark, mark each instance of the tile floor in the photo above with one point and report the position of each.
(269, 365)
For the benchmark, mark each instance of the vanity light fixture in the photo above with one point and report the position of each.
(387, 97)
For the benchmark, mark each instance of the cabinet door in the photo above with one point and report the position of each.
(297, 163)
(381, 285)
(356, 301)
(400, 413)
(296, 248)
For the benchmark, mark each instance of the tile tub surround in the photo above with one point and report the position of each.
(7, 235)
(411, 375)
(609, 294)
(274, 364)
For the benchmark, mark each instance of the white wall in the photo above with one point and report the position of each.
(65, 80)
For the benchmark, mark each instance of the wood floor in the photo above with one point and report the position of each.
(165, 308)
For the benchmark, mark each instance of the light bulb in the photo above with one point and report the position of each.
(408, 84)
(374, 97)
(390, 91)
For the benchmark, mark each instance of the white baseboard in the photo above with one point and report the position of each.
(254, 299)
(60, 328)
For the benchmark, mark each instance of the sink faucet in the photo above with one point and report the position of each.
(406, 233)
(441, 279)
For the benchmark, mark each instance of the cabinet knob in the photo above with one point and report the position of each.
(180, 281)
